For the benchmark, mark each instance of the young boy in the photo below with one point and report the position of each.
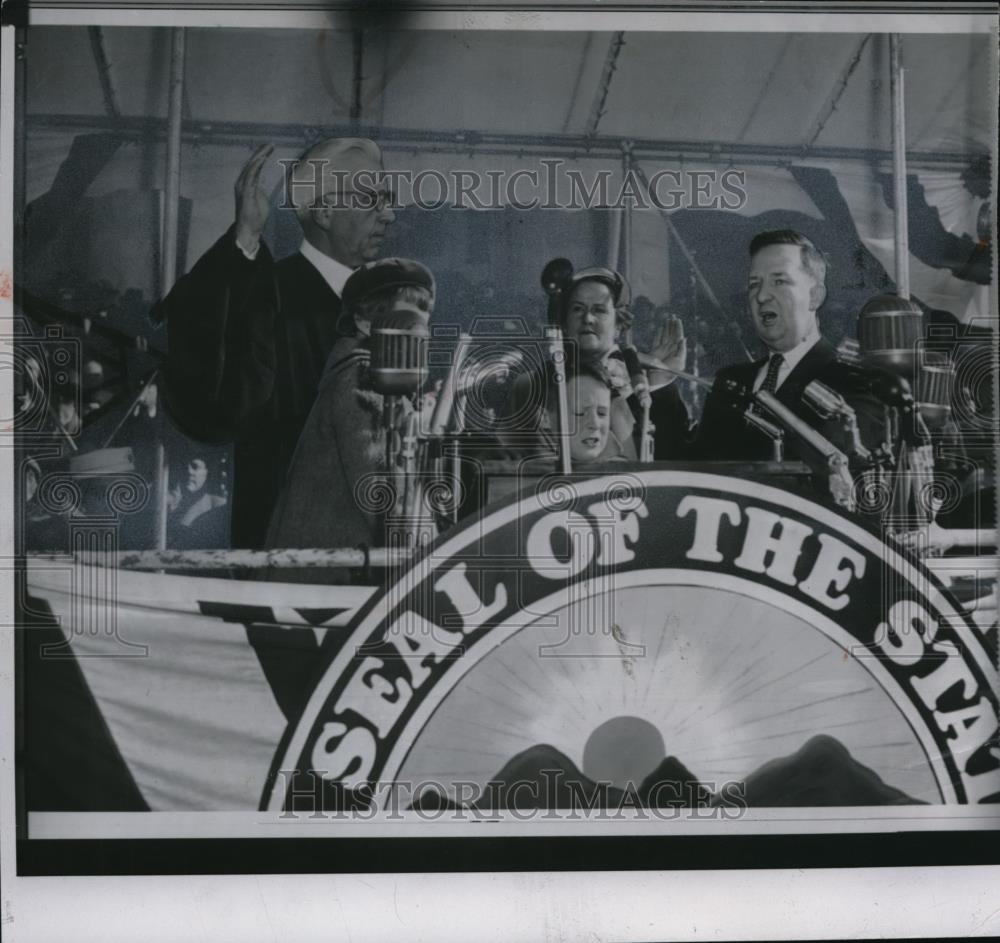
(332, 493)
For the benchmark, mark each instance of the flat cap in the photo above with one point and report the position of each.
(379, 276)
(375, 277)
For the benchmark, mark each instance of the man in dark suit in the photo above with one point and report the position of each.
(785, 289)
(249, 337)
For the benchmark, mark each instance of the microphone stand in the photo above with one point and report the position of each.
(835, 463)
(916, 465)
(557, 357)
(640, 387)
(447, 423)
(555, 277)
(694, 388)
(772, 431)
(828, 404)
(397, 371)
(418, 534)
(914, 460)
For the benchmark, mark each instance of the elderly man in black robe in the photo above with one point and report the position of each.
(250, 336)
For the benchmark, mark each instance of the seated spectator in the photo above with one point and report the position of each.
(42, 528)
(67, 412)
(195, 506)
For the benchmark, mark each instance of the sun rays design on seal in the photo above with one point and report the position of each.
(727, 681)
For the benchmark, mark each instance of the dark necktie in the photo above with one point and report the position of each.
(770, 383)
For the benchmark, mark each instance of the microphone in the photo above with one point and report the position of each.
(643, 400)
(742, 399)
(889, 332)
(935, 381)
(890, 388)
(774, 432)
(839, 479)
(887, 387)
(399, 351)
(555, 278)
(637, 376)
(556, 275)
(827, 403)
(444, 406)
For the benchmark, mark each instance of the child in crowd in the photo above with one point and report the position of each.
(332, 496)
(589, 396)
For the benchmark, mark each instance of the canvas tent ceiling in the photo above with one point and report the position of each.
(762, 89)
(763, 102)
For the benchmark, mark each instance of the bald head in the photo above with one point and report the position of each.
(334, 187)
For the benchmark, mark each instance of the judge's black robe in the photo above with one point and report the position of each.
(248, 344)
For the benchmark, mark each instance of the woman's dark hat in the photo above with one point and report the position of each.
(621, 294)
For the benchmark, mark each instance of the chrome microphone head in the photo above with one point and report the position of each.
(890, 329)
(399, 352)
(824, 401)
(556, 276)
(935, 381)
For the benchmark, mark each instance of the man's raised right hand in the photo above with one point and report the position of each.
(252, 203)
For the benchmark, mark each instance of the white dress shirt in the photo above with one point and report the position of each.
(334, 273)
(791, 361)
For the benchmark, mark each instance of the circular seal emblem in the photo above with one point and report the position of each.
(657, 634)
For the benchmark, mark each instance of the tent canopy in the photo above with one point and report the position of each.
(792, 92)
(767, 104)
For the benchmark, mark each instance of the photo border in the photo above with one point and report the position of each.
(949, 860)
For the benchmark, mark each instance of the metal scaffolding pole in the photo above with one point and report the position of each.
(172, 173)
(104, 72)
(600, 103)
(626, 253)
(615, 220)
(900, 215)
(168, 255)
(488, 143)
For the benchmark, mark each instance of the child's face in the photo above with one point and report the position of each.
(589, 403)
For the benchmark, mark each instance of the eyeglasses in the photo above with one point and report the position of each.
(360, 200)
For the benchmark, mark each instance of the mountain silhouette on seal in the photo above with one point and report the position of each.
(543, 777)
(673, 786)
(821, 773)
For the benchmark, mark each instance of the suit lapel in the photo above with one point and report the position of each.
(818, 356)
(746, 373)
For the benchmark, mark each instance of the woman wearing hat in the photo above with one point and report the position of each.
(594, 315)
